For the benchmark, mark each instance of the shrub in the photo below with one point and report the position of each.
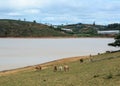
(81, 60)
(109, 76)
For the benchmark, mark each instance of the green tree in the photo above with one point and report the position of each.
(117, 41)
(34, 21)
(94, 23)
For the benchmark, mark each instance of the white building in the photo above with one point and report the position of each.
(111, 32)
(68, 30)
(55, 26)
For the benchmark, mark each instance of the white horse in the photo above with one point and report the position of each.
(60, 68)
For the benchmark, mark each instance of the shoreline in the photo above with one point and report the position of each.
(50, 37)
(43, 65)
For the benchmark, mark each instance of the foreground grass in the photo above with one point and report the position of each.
(104, 70)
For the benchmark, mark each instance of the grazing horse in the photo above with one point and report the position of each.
(55, 68)
(66, 68)
(38, 67)
(90, 58)
(60, 68)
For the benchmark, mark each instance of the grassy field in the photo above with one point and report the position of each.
(103, 70)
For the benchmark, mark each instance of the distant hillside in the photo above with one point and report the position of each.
(83, 29)
(79, 26)
(17, 28)
(90, 29)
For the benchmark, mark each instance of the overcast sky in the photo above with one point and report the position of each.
(62, 11)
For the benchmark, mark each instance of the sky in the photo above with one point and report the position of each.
(62, 11)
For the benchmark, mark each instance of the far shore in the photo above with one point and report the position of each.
(44, 65)
(53, 37)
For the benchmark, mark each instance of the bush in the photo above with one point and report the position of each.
(96, 76)
(81, 60)
(109, 76)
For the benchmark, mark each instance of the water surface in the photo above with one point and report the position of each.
(20, 52)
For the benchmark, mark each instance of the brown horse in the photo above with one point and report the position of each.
(66, 68)
(38, 68)
(55, 68)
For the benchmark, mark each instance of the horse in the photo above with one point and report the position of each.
(38, 68)
(55, 68)
(66, 68)
(60, 68)
(90, 58)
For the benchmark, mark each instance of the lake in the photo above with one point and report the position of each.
(21, 52)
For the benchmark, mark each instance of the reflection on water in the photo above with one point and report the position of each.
(20, 52)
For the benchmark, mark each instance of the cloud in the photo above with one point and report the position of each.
(32, 11)
(13, 14)
(62, 11)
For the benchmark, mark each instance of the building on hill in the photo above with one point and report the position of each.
(108, 32)
(55, 26)
(67, 30)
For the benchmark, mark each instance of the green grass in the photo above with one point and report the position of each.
(103, 71)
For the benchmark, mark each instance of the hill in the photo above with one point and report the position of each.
(17, 28)
(102, 70)
(80, 29)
